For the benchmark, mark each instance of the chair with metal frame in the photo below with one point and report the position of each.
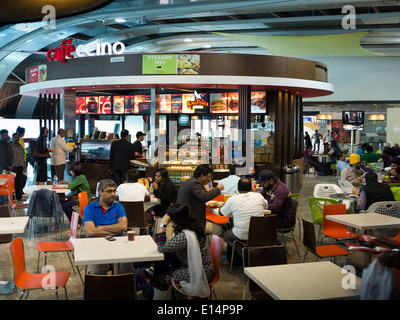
(317, 210)
(264, 256)
(262, 232)
(27, 281)
(61, 246)
(291, 229)
(135, 214)
(335, 230)
(110, 287)
(322, 252)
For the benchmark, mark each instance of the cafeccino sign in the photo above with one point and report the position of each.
(96, 48)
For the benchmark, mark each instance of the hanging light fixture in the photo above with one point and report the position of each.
(323, 116)
(376, 117)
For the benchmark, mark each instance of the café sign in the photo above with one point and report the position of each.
(96, 48)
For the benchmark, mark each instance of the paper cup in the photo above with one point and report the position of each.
(131, 235)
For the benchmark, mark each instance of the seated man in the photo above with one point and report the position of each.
(279, 198)
(341, 163)
(133, 190)
(373, 191)
(395, 169)
(241, 207)
(103, 218)
(230, 183)
(353, 171)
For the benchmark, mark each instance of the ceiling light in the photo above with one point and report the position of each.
(207, 46)
(188, 40)
(376, 117)
(120, 20)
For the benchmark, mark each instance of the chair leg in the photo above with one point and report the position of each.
(233, 251)
(305, 254)
(66, 295)
(56, 292)
(38, 262)
(77, 267)
(295, 243)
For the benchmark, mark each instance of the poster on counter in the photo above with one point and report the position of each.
(38, 73)
(105, 104)
(218, 102)
(92, 104)
(119, 104)
(188, 64)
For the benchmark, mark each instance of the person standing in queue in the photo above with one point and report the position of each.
(121, 153)
(137, 145)
(41, 168)
(59, 155)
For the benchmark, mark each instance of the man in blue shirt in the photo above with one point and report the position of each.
(103, 218)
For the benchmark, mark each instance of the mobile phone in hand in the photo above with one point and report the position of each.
(110, 238)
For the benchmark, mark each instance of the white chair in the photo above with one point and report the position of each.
(346, 186)
(324, 190)
(389, 208)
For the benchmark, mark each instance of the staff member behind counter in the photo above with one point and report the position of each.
(137, 145)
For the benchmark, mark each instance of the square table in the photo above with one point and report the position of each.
(13, 225)
(58, 189)
(304, 281)
(366, 221)
(101, 251)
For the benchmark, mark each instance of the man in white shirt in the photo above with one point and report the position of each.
(132, 190)
(242, 207)
(230, 183)
(59, 155)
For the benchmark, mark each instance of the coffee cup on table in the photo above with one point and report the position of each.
(131, 235)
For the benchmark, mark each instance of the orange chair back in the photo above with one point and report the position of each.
(10, 183)
(83, 202)
(215, 252)
(333, 209)
(18, 256)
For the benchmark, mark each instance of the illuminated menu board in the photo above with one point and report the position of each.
(186, 103)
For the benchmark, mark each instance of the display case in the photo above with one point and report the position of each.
(94, 150)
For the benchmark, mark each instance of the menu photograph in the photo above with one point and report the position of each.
(258, 102)
(188, 63)
(218, 102)
(80, 105)
(129, 104)
(176, 103)
(92, 104)
(165, 103)
(233, 102)
(119, 104)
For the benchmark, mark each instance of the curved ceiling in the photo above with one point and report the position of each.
(190, 25)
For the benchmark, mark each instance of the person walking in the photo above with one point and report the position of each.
(59, 155)
(317, 140)
(41, 168)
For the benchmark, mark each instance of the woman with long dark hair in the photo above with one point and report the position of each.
(164, 190)
(192, 267)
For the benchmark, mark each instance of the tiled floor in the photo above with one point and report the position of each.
(229, 287)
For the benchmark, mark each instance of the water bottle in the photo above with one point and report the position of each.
(55, 180)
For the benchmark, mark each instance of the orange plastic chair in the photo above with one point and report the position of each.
(322, 252)
(83, 202)
(215, 252)
(10, 182)
(12, 205)
(61, 246)
(27, 281)
(334, 229)
(391, 241)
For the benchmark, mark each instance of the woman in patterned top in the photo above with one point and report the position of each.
(186, 228)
